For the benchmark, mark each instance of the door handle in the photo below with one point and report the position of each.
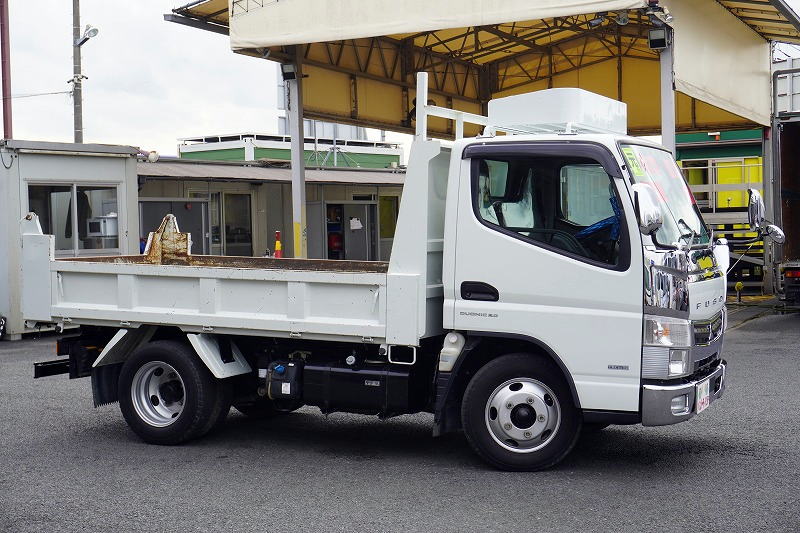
(478, 290)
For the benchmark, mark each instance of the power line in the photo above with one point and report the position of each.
(30, 95)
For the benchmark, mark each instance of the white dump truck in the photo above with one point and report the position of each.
(550, 276)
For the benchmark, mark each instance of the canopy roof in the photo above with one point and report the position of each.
(360, 56)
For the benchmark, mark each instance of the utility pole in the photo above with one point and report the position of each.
(77, 77)
(5, 51)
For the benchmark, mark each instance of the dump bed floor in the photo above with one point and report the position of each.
(260, 263)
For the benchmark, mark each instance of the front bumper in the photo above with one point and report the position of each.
(657, 399)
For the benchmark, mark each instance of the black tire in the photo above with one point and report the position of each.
(204, 400)
(476, 412)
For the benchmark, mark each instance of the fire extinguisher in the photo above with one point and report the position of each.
(278, 246)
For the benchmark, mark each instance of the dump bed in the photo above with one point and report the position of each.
(304, 298)
(399, 302)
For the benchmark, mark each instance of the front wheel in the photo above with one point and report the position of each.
(168, 396)
(518, 413)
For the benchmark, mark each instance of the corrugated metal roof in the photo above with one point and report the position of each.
(774, 20)
(177, 169)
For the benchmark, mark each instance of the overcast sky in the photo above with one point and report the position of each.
(150, 81)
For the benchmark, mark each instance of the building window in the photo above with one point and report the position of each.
(97, 216)
(80, 217)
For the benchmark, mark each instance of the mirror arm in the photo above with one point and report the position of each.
(751, 240)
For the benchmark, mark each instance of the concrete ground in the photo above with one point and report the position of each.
(65, 466)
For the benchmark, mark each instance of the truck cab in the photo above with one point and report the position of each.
(545, 246)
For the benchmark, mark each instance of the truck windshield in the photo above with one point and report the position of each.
(682, 222)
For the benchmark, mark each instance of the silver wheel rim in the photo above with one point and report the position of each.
(523, 415)
(158, 393)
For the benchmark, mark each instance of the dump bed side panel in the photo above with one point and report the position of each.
(278, 303)
(205, 294)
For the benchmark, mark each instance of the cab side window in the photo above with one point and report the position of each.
(566, 205)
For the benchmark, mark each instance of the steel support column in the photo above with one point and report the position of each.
(771, 250)
(667, 95)
(294, 114)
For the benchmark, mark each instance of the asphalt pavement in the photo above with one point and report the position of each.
(65, 466)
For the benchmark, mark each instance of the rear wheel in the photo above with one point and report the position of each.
(168, 396)
(518, 413)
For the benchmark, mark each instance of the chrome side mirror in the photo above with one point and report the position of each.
(775, 233)
(648, 208)
(756, 216)
(755, 210)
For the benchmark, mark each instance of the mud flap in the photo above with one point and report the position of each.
(105, 381)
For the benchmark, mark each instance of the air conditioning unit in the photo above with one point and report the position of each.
(562, 110)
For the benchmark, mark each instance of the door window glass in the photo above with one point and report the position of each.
(585, 194)
(52, 203)
(388, 218)
(213, 224)
(238, 225)
(566, 205)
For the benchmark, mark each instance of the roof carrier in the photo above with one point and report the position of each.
(561, 110)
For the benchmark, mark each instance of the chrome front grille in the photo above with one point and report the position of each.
(707, 331)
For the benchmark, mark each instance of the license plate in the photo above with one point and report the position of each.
(702, 395)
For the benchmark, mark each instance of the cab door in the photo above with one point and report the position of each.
(547, 250)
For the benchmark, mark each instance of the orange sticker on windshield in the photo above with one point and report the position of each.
(633, 162)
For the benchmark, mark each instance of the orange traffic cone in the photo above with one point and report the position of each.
(278, 246)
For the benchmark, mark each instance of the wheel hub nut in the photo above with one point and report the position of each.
(530, 400)
(541, 418)
(509, 405)
(507, 426)
(527, 434)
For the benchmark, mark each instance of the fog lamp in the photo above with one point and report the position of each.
(680, 404)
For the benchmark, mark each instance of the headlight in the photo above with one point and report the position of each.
(665, 331)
